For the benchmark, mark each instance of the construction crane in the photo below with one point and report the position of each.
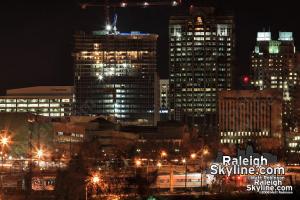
(112, 27)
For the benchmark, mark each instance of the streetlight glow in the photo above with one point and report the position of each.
(4, 140)
(95, 179)
(138, 163)
(193, 155)
(163, 154)
(40, 153)
(159, 164)
(205, 152)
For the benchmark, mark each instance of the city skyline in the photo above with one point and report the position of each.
(48, 29)
(152, 99)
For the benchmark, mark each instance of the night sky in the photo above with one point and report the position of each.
(36, 36)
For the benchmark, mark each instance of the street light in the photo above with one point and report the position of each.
(204, 153)
(5, 140)
(163, 154)
(40, 153)
(138, 163)
(185, 166)
(193, 156)
(159, 164)
(94, 180)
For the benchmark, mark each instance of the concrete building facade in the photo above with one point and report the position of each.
(250, 115)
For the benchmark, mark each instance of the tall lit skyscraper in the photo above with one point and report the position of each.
(116, 75)
(201, 61)
(273, 64)
(273, 61)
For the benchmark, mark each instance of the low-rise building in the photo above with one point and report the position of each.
(50, 101)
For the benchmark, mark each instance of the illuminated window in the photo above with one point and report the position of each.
(222, 30)
(263, 36)
(274, 47)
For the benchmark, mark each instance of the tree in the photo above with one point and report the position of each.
(70, 183)
(141, 183)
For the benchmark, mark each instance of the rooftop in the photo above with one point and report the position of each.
(41, 91)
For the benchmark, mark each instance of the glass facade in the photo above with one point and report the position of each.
(115, 75)
(201, 62)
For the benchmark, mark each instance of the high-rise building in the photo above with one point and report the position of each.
(201, 61)
(116, 75)
(273, 61)
(164, 103)
(50, 101)
(273, 64)
(250, 115)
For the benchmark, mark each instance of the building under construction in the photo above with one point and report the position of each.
(116, 75)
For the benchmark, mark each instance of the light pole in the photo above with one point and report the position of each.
(4, 142)
(184, 162)
(95, 179)
(138, 163)
(163, 154)
(31, 121)
(39, 155)
(204, 153)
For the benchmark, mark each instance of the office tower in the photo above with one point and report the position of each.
(164, 103)
(201, 62)
(250, 115)
(51, 101)
(273, 64)
(116, 75)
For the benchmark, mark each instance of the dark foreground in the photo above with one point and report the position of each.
(181, 197)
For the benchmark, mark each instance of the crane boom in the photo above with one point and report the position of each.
(125, 4)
